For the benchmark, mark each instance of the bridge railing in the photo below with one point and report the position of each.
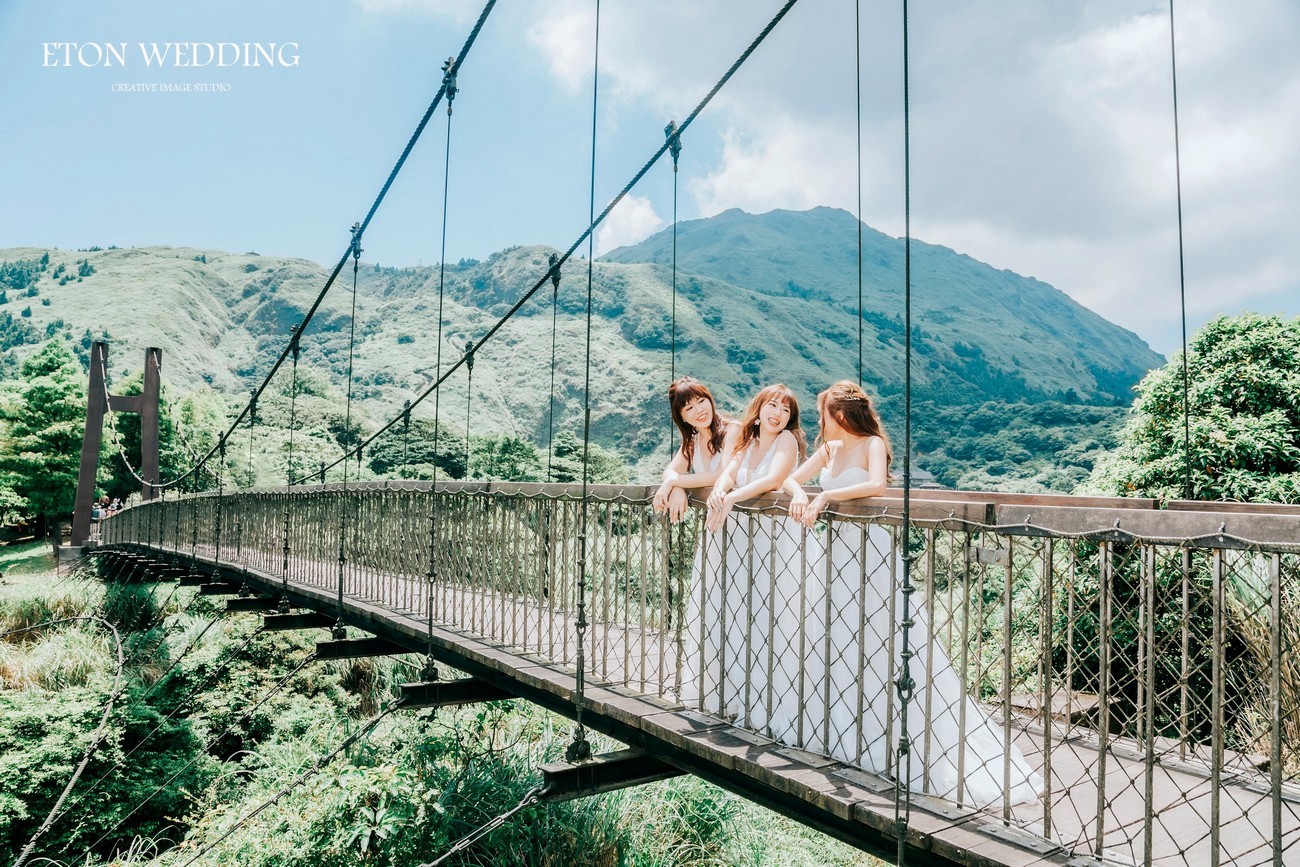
(1140, 661)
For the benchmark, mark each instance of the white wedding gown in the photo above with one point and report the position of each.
(743, 618)
(854, 661)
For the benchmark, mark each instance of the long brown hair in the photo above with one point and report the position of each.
(749, 425)
(852, 408)
(682, 392)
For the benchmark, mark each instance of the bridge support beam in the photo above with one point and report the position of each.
(303, 620)
(607, 772)
(355, 648)
(218, 588)
(449, 693)
(251, 603)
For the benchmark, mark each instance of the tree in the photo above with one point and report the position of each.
(40, 452)
(409, 454)
(507, 458)
(1244, 419)
(604, 467)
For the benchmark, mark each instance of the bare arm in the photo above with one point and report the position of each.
(793, 486)
(671, 473)
(876, 470)
(782, 463)
(874, 486)
(805, 471)
(709, 477)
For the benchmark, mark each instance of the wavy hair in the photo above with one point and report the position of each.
(750, 423)
(681, 393)
(852, 408)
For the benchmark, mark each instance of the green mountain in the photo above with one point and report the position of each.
(760, 299)
(977, 331)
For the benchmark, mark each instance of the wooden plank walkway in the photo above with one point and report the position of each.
(528, 649)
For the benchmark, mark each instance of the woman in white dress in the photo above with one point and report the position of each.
(856, 656)
(707, 438)
(760, 589)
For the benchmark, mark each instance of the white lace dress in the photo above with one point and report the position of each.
(856, 659)
(742, 617)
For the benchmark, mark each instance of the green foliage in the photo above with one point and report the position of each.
(1025, 447)
(1244, 419)
(409, 453)
(604, 467)
(39, 453)
(506, 458)
(24, 272)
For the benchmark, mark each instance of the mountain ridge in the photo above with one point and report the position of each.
(221, 319)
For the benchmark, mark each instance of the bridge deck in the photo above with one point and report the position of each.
(630, 693)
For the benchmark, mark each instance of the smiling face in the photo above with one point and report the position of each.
(698, 413)
(774, 415)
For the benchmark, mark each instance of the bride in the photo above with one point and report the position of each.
(707, 440)
(760, 592)
(853, 646)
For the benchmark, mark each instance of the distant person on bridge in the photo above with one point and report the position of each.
(957, 756)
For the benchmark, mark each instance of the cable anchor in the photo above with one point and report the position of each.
(449, 81)
(356, 244)
(674, 137)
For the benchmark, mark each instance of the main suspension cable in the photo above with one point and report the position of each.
(363, 225)
(636, 178)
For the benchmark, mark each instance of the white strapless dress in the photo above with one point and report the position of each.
(743, 620)
(856, 656)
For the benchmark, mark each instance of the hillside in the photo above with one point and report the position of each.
(760, 299)
(978, 331)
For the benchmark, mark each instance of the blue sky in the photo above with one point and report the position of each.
(1042, 132)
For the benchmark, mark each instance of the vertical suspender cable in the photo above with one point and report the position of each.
(905, 684)
(339, 631)
(1182, 273)
(294, 350)
(406, 439)
(469, 395)
(252, 423)
(674, 150)
(580, 749)
(554, 262)
(857, 65)
(449, 86)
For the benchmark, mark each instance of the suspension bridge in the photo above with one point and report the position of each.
(1135, 658)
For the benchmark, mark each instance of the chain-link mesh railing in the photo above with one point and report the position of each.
(1121, 682)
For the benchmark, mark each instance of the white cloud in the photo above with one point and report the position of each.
(632, 220)
(1042, 136)
(564, 37)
